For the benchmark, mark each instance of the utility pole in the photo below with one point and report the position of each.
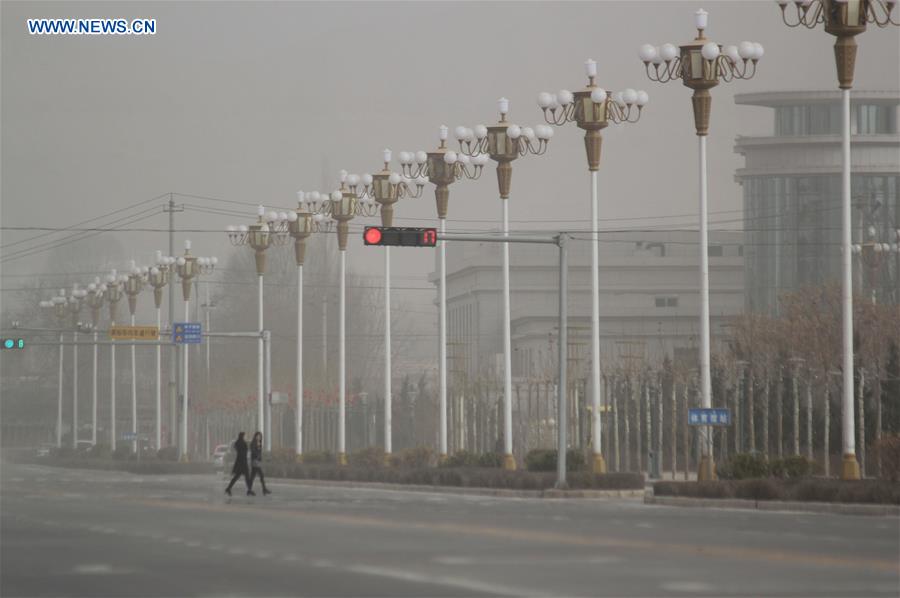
(173, 361)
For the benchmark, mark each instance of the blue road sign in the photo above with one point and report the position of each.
(698, 416)
(187, 333)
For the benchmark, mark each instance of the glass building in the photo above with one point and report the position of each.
(792, 194)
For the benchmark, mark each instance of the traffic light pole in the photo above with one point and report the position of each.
(561, 240)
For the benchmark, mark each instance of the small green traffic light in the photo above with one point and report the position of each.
(9, 343)
(13, 343)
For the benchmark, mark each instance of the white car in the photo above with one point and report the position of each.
(218, 457)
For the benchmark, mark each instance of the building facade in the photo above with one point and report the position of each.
(649, 302)
(792, 193)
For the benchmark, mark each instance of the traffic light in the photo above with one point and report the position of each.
(400, 236)
(14, 343)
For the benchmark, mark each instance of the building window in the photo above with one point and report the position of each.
(715, 251)
(666, 301)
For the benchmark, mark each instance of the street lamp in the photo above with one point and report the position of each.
(159, 276)
(270, 228)
(95, 297)
(592, 109)
(188, 268)
(74, 305)
(844, 19)
(442, 167)
(343, 206)
(133, 286)
(58, 305)
(114, 287)
(386, 188)
(301, 224)
(503, 143)
(701, 64)
(873, 254)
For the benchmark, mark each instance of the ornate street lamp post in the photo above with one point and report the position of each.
(159, 276)
(386, 188)
(75, 303)
(114, 284)
(844, 19)
(189, 267)
(301, 224)
(133, 286)
(269, 229)
(58, 305)
(873, 254)
(503, 143)
(96, 296)
(592, 109)
(701, 64)
(344, 205)
(442, 167)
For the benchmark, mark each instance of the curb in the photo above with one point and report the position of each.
(776, 505)
(496, 492)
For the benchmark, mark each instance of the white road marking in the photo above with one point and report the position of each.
(193, 544)
(440, 580)
(688, 587)
(93, 569)
(237, 551)
(289, 557)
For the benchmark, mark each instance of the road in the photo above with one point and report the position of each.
(72, 532)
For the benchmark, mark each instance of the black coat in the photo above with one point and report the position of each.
(256, 454)
(240, 461)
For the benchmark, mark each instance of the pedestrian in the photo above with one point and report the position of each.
(240, 465)
(256, 463)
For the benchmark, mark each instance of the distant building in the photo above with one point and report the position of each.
(792, 192)
(649, 301)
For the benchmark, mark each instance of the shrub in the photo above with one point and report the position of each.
(65, 452)
(793, 467)
(461, 459)
(319, 457)
(167, 453)
(758, 489)
(889, 449)
(123, 452)
(415, 457)
(371, 458)
(100, 451)
(744, 466)
(545, 460)
(490, 460)
(280, 455)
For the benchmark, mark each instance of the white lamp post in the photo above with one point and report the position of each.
(75, 299)
(158, 277)
(442, 167)
(344, 205)
(269, 228)
(845, 19)
(96, 296)
(301, 224)
(386, 188)
(133, 286)
(58, 305)
(503, 143)
(114, 284)
(189, 267)
(592, 109)
(701, 64)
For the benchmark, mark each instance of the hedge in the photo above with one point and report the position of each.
(806, 490)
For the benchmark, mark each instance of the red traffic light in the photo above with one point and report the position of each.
(372, 236)
(400, 236)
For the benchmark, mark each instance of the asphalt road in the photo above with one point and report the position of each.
(90, 533)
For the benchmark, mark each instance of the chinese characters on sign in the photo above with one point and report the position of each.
(698, 416)
(187, 333)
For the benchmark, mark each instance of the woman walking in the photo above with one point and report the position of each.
(240, 465)
(256, 463)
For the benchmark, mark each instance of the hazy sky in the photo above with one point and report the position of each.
(250, 101)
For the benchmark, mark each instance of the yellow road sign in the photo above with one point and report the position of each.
(145, 333)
